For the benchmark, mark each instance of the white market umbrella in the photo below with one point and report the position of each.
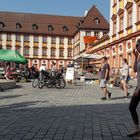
(93, 56)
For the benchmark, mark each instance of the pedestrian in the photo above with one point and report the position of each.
(124, 77)
(136, 96)
(34, 71)
(99, 74)
(42, 70)
(105, 69)
(8, 71)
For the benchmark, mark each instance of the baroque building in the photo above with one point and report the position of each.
(124, 32)
(44, 39)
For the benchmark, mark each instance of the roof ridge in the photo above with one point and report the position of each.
(11, 12)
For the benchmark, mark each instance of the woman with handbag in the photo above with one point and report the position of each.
(124, 77)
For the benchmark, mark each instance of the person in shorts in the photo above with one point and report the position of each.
(124, 77)
(105, 69)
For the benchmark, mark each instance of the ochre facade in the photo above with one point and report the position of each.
(124, 32)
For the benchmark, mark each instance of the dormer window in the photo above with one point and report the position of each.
(2, 25)
(81, 22)
(34, 27)
(50, 28)
(65, 29)
(18, 26)
(96, 21)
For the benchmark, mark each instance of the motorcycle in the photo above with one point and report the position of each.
(51, 79)
(22, 75)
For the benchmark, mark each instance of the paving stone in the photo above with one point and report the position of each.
(73, 113)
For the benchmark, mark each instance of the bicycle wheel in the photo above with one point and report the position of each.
(62, 83)
(35, 82)
(41, 83)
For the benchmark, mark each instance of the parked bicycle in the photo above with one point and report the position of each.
(36, 79)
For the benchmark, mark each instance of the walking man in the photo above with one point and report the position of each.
(105, 69)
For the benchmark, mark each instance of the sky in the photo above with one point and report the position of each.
(55, 7)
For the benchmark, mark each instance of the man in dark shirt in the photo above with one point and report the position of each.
(105, 69)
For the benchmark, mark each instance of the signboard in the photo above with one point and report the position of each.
(89, 39)
(70, 73)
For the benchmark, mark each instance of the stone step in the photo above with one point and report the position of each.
(4, 84)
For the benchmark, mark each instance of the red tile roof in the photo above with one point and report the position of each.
(57, 22)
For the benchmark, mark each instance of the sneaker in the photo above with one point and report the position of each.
(104, 98)
(132, 134)
(128, 94)
(109, 95)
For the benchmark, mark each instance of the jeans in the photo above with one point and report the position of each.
(133, 106)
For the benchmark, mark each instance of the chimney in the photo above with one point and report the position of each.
(86, 11)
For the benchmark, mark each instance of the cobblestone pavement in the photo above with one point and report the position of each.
(73, 113)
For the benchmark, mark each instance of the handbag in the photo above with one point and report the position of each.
(128, 78)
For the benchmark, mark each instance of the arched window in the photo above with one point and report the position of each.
(96, 21)
(50, 28)
(52, 52)
(129, 45)
(2, 25)
(61, 53)
(120, 48)
(34, 27)
(69, 52)
(65, 28)
(18, 26)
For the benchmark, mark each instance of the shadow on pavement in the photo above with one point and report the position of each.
(11, 96)
(116, 98)
(76, 122)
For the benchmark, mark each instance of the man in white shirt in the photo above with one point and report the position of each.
(42, 68)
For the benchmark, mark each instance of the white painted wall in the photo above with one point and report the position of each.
(49, 46)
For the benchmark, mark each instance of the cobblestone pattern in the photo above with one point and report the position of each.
(73, 113)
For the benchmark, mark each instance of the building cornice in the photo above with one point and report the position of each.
(114, 16)
(137, 1)
(39, 34)
(123, 39)
(129, 27)
(120, 11)
(128, 5)
(120, 31)
(137, 23)
(45, 58)
(114, 4)
(113, 35)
